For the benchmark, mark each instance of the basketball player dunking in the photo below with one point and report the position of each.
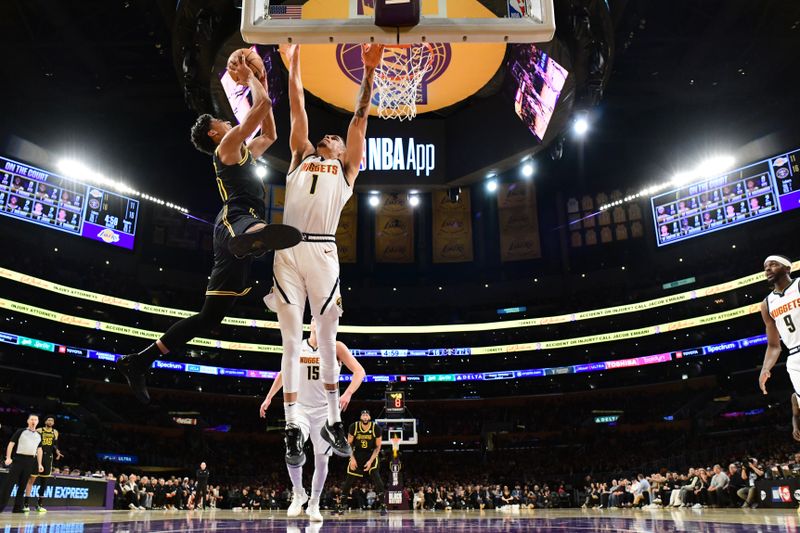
(311, 418)
(781, 313)
(50, 452)
(239, 232)
(319, 183)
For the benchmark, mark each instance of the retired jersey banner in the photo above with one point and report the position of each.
(519, 222)
(347, 231)
(394, 230)
(452, 228)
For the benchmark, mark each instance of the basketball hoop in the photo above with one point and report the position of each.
(395, 446)
(398, 77)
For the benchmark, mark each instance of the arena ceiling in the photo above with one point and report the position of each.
(98, 78)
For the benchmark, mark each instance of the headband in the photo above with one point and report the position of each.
(778, 259)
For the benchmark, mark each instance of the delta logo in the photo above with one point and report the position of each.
(108, 236)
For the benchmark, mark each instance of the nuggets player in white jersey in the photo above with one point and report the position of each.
(320, 181)
(312, 417)
(781, 313)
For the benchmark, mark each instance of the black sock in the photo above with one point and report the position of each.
(27, 500)
(151, 353)
(40, 501)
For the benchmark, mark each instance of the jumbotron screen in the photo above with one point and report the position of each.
(47, 199)
(743, 195)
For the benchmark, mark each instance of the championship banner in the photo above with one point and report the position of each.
(519, 222)
(394, 230)
(347, 231)
(452, 228)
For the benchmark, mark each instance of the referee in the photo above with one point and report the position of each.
(27, 456)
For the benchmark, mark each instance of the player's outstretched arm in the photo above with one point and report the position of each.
(299, 144)
(347, 359)
(269, 133)
(230, 148)
(357, 132)
(773, 348)
(276, 386)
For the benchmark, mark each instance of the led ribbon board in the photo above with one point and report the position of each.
(73, 292)
(667, 327)
(712, 349)
(47, 199)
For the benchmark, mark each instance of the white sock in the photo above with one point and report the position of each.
(290, 413)
(320, 474)
(334, 415)
(296, 475)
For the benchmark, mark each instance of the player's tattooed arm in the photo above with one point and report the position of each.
(371, 55)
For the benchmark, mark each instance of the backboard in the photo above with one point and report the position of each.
(442, 21)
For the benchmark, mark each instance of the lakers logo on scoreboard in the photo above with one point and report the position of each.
(108, 236)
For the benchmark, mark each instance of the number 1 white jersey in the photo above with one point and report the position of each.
(316, 192)
(784, 308)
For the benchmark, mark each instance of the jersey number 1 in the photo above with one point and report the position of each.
(789, 324)
(314, 178)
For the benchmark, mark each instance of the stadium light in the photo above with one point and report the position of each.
(374, 200)
(527, 170)
(78, 171)
(491, 185)
(261, 172)
(713, 166)
(581, 124)
(413, 200)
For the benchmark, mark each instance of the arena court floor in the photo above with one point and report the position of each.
(618, 521)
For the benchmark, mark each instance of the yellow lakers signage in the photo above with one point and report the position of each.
(457, 70)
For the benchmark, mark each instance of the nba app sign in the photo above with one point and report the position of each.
(406, 155)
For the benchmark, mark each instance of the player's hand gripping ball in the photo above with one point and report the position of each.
(242, 60)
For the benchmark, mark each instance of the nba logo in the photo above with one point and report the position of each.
(517, 9)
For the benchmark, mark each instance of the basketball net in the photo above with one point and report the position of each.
(395, 446)
(398, 77)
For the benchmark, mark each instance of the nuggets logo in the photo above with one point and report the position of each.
(108, 236)
(456, 71)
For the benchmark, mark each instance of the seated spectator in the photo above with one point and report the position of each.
(717, 490)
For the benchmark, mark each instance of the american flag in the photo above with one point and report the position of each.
(285, 12)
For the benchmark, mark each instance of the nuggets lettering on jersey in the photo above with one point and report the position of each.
(784, 308)
(316, 192)
(312, 391)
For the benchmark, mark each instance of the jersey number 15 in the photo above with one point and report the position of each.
(313, 372)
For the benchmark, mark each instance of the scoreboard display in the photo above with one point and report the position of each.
(395, 402)
(47, 199)
(743, 195)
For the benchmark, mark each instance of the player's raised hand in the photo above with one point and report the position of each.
(344, 401)
(262, 411)
(371, 54)
(762, 380)
(290, 51)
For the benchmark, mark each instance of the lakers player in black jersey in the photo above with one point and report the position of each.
(50, 452)
(365, 440)
(240, 231)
